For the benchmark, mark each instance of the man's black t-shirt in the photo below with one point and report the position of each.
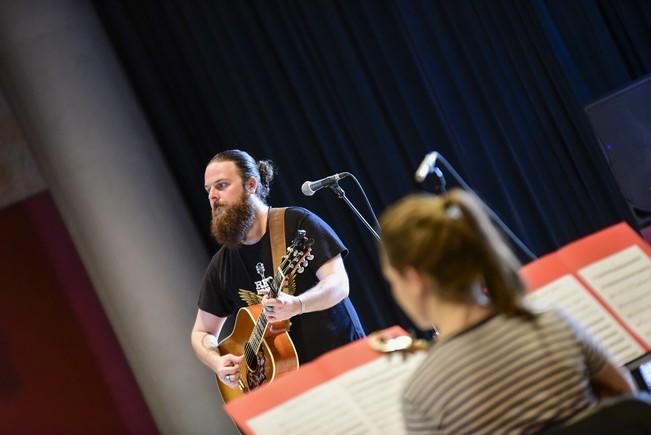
(249, 267)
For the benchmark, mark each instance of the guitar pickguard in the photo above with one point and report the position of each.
(256, 376)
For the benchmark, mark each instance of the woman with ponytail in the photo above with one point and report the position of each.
(496, 367)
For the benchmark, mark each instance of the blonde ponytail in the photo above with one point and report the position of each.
(451, 238)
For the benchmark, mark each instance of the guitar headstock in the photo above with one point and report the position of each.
(298, 255)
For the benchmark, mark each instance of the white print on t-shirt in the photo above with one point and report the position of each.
(262, 286)
(260, 269)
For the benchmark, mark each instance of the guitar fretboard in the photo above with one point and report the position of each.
(253, 345)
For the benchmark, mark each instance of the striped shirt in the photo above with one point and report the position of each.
(504, 375)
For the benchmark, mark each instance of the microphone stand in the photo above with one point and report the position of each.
(336, 188)
(342, 194)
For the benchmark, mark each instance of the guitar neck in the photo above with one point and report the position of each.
(261, 324)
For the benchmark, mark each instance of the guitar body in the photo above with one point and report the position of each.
(276, 356)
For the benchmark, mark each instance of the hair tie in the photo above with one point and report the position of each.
(453, 211)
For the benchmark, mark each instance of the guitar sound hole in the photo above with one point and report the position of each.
(251, 359)
(255, 374)
(252, 362)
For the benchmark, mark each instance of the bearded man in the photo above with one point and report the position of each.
(322, 316)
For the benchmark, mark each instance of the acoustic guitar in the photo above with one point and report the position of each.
(267, 348)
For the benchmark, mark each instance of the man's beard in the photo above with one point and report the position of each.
(231, 223)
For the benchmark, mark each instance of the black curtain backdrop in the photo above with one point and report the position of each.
(369, 87)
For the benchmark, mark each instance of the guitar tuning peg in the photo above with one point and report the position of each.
(304, 263)
(310, 257)
(301, 269)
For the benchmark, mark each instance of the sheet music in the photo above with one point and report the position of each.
(365, 400)
(623, 280)
(568, 293)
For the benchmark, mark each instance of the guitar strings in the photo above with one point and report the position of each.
(251, 348)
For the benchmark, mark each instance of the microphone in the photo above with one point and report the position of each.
(426, 166)
(309, 188)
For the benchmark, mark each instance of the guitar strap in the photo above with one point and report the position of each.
(277, 236)
(277, 240)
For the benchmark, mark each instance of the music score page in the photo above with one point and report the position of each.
(623, 281)
(364, 400)
(568, 294)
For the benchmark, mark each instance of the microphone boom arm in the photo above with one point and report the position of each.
(342, 194)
